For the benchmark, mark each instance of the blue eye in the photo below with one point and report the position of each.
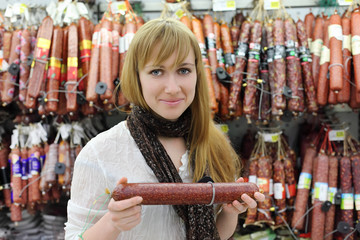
(156, 72)
(184, 71)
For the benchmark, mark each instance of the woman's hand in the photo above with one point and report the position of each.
(236, 207)
(125, 214)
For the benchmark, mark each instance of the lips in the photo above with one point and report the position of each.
(171, 101)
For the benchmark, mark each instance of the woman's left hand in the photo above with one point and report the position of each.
(236, 207)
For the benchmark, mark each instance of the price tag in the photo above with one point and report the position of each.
(271, 4)
(179, 13)
(321, 191)
(337, 135)
(357, 202)
(224, 5)
(271, 137)
(119, 7)
(223, 127)
(331, 194)
(304, 181)
(345, 2)
(347, 201)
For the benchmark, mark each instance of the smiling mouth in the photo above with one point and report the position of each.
(172, 102)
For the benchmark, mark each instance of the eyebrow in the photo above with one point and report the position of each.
(162, 66)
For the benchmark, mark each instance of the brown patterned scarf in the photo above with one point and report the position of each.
(144, 128)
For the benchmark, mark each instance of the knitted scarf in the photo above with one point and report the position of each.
(144, 128)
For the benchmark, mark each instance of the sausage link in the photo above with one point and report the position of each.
(279, 192)
(54, 71)
(24, 175)
(302, 193)
(347, 198)
(290, 184)
(4, 153)
(316, 45)
(264, 174)
(309, 22)
(344, 94)
(25, 50)
(306, 68)
(355, 43)
(185, 19)
(321, 186)
(106, 59)
(16, 183)
(72, 69)
(355, 167)
(117, 29)
(35, 169)
(323, 83)
(15, 213)
(253, 169)
(85, 34)
(335, 43)
(10, 80)
(333, 183)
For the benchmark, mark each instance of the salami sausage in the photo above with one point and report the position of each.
(336, 61)
(106, 59)
(302, 193)
(93, 78)
(64, 158)
(264, 174)
(185, 19)
(219, 50)
(240, 64)
(306, 68)
(253, 169)
(85, 34)
(211, 51)
(323, 83)
(290, 184)
(347, 197)
(198, 31)
(344, 94)
(355, 167)
(355, 45)
(25, 51)
(41, 56)
(184, 193)
(293, 67)
(72, 69)
(16, 213)
(235, 33)
(117, 29)
(265, 97)
(333, 183)
(321, 186)
(316, 45)
(279, 63)
(16, 183)
(252, 69)
(35, 169)
(54, 71)
(8, 90)
(279, 192)
(309, 22)
(24, 174)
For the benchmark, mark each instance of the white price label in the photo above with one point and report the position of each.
(224, 5)
(337, 135)
(253, 179)
(119, 7)
(271, 4)
(271, 137)
(279, 191)
(345, 2)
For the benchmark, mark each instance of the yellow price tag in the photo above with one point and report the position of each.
(122, 6)
(179, 13)
(275, 138)
(340, 134)
(22, 8)
(225, 128)
(275, 4)
(43, 43)
(85, 44)
(72, 62)
(55, 62)
(230, 4)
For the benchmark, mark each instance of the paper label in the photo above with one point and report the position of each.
(325, 55)
(223, 127)
(16, 165)
(316, 47)
(335, 30)
(121, 45)
(357, 202)
(331, 194)
(72, 62)
(118, 7)
(271, 137)
(336, 135)
(263, 183)
(279, 191)
(224, 5)
(54, 69)
(43, 47)
(347, 201)
(24, 168)
(271, 187)
(253, 179)
(355, 45)
(35, 165)
(321, 191)
(128, 39)
(347, 42)
(345, 2)
(271, 4)
(304, 181)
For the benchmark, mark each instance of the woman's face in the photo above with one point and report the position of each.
(168, 89)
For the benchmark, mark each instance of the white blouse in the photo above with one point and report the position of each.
(105, 159)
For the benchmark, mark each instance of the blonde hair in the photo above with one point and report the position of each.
(208, 146)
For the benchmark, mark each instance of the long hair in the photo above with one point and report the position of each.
(209, 147)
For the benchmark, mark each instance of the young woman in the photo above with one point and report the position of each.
(168, 137)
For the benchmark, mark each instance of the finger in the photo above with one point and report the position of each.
(240, 180)
(122, 180)
(249, 201)
(124, 204)
(240, 207)
(259, 196)
(129, 213)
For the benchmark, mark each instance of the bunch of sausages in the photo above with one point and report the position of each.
(326, 188)
(271, 167)
(35, 174)
(57, 70)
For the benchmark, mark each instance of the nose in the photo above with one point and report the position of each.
(172, 85)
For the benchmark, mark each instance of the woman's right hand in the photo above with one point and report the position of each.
(125, 214)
